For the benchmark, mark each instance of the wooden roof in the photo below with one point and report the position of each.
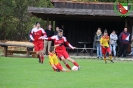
(54, 13)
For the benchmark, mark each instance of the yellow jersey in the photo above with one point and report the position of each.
(104, 41)
(53, 59)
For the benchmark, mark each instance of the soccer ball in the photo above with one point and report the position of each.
(75, 68)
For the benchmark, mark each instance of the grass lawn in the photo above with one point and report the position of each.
(28, 73)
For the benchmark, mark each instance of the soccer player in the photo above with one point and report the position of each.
(38, 34)
(53, 60)
(59, 41)
(104, 41)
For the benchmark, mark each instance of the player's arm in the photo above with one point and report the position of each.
(68, 44)
(49, 38)
(31, 35)
(44, 35)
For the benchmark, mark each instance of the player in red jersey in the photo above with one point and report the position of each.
(37, 34)
(59, 41)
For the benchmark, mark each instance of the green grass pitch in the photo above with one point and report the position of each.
(28, 73)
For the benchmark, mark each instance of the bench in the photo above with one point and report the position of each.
(28, 45)
(77, 50)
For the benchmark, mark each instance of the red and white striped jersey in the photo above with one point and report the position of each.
(60, 42)
(37, 33)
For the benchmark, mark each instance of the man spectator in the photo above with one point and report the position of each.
(124, 39)
(49, 33)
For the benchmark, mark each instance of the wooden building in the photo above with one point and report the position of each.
(81, 19)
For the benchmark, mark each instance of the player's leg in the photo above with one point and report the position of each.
(110, 54)
(61, 68)
(104, 54)
(61, 57)
(37, 51)
(41, 53)
(65, 54)
(64, 61)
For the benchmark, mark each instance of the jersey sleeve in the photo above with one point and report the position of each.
(31, 34)
(67, 43)
(50, 38)
(44, 35)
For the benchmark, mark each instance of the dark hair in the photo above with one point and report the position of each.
(105, 31)
(37, 23)
(51, 49)
(113, 31)
(60, 30)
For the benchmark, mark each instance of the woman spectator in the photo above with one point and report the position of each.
(97, 42)
(113, 42)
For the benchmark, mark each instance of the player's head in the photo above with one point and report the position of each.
(37, 24)
(52, 49)
(105, 32)
(125, 29)
(60, 33)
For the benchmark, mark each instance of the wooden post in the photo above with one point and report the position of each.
(27, 52)
(126, 25)
(5, 51)
(52, 24)
(47, 21)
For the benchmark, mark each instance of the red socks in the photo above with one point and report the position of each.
(76, 64)
(67, 65)
(42, 58)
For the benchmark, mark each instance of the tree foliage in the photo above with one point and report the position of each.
(15, 21)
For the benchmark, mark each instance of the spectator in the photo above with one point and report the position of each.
(56, 31)
(124, 39)
(97, 42)
(49, 33)
(113, 42)
(132, 48)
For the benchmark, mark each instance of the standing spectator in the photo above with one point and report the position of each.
(124, 39)
(97, 42)
(113, 42)
(132, 48)
(56, 31)
(49, 33)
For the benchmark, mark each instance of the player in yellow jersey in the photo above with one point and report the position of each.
(104, 41)
(53, 60)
